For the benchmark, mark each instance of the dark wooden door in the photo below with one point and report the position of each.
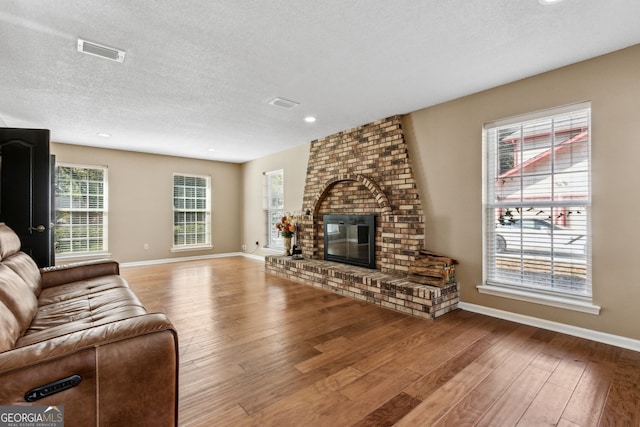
(26, 190)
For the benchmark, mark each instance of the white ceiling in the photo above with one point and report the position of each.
(198, 75)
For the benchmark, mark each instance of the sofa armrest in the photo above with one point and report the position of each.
(91, 337)
(67, 273)
(129, 371)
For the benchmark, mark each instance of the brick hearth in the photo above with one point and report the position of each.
(368, 285)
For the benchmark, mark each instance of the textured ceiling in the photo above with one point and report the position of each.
(198, 75)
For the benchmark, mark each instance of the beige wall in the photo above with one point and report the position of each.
(446, 151)
(294, 164)
(140, 200)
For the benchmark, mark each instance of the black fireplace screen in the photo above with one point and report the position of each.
(350, 239)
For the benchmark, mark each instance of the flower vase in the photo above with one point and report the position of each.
(287, 246)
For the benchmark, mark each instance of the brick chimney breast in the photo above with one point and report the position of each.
(361, 171)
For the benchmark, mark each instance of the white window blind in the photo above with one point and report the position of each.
(537, 203)
(81, 209)
(274, 193)
(191, 211)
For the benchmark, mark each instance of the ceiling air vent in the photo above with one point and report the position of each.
(100, 50)
(283, 103)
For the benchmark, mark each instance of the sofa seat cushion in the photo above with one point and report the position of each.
(80, 305)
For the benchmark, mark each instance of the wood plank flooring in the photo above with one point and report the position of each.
(259, 350)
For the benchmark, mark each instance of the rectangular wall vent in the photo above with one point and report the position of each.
(283, 103)
(100, 50)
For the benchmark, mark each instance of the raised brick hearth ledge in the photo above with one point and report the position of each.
(386, 290)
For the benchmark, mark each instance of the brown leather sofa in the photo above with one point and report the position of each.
(77, 336)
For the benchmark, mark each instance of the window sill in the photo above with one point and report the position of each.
(191, 248)
(537, 298)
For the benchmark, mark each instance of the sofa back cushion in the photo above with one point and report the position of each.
(16, 295)
(9, 241)
(25, 267)
(9, 329)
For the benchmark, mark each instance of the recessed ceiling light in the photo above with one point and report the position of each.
(309, 119)
(211, 150)
(104, 135)
(548, 2)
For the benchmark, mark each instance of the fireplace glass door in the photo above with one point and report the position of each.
(350, 239)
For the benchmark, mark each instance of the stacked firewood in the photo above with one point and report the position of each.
(432, 269)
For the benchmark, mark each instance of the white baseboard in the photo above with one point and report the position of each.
(254, 256)
(576, 331)
(186, 258)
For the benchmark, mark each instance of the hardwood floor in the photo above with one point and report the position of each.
(256, 349)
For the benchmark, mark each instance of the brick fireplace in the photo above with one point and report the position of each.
(366, 170)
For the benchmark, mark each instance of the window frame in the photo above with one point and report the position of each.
(105, 213)
(273, 239)
(492, 282)
(207, 244)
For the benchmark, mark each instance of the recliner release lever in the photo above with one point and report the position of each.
(52, 388)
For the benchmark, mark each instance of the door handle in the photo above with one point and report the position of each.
(39, 228)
